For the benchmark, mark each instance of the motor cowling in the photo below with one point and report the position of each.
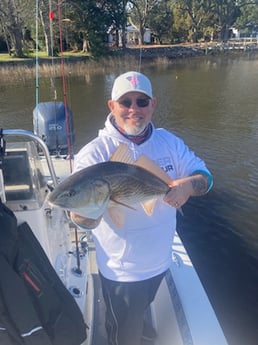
(53, 122)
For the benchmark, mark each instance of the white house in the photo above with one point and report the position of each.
(132, 35)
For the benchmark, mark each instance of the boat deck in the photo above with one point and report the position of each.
(176, 313)
(97, 332)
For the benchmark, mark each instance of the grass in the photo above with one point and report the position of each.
(76, 64)
(5, 57)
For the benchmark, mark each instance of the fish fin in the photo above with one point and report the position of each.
(151, 166)
(148, 206)
(115, 203)
(117, 216)
(116, 212)
(122, 154)
(180, 210)
(93, 214)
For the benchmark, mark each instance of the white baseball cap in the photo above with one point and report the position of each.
(131, 81)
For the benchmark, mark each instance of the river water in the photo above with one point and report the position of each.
(212, 104)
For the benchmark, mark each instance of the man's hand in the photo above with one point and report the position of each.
(181, 189)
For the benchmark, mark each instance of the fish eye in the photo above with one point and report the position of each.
(69, 193)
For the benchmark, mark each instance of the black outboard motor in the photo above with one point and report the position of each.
(50, 124)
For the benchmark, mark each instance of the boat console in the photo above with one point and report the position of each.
(24, 184)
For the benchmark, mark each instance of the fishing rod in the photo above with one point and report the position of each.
(77, 270)
(68, 129)
(37, 61)
(51, 18)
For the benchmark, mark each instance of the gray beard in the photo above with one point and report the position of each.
(134, 130)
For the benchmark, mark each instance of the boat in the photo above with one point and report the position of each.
(31, 168)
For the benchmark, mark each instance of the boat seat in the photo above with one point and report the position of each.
(17, 176)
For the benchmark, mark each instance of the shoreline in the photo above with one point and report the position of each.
(148, 53)
(130, 57)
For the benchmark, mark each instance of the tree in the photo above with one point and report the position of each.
(12, 22)
(139, 12)
(118, 13)
(48, 18)
(198, 14)
(248, 21)
(181, 26)
(227, 13)
(16, 19)
(160, 20)
(92, 19)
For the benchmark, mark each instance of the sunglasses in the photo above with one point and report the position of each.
(141, 102)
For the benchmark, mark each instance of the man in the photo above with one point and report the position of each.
(133, 258)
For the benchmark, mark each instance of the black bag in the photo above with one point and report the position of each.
(35, 306)
(19, 323)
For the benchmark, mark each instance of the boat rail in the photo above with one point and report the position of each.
(38, 140)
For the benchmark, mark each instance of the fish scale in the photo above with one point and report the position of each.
(136, 183)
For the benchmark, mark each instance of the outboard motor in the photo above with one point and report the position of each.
(50, 124)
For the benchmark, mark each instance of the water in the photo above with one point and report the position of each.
(213, 105)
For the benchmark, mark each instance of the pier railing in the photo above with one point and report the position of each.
(241, 44)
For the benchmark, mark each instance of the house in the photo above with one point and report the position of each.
(132, 36)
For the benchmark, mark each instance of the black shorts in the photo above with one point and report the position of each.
(126, 303)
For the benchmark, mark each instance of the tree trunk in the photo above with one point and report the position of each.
(17, 42)
(46, 27)
(85, 46)
(45, 32)
(117, 38)
(15, 30)
(6, 38)
(123, 37)
(141, 35)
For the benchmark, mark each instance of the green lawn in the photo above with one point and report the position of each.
(4, 57)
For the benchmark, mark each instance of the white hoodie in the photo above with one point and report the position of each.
(141, 249)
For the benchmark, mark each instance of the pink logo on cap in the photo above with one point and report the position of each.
(133, 80)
